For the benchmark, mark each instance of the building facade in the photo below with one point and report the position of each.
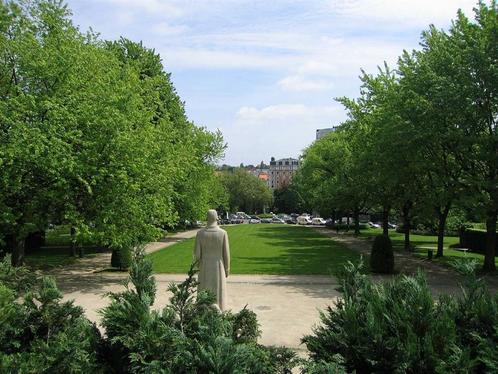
(282, 171)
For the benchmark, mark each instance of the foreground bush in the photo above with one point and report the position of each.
(382, 256)
(41, 334)
(398, 327)
(188, 336)
(121, 258)
(38, 332)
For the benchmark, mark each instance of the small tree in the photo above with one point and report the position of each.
(382, 257)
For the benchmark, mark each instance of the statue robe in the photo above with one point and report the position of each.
(213, 253)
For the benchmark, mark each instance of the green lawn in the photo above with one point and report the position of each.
(266, 249)
(423, 242)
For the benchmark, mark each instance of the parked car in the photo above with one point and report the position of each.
(374, 225)
(392, 225)
(254, 219)
(235, 219)
(243, 215)
(318, 221)
(277, 220)
(303, 220)
(266, 220)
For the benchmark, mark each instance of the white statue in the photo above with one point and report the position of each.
(213, 253)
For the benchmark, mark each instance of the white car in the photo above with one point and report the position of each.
(303, 220)
(318, 221)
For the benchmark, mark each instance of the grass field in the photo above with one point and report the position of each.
(423, 242)
(266, 249)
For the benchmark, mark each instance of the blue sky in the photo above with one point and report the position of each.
(266, 72)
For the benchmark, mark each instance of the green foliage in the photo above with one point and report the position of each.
(246, 192)
(121, 258)
(399, 326)
(382, 256)
(289, 199)
(420, 138)
(99, 133)
(188, 335)
(475, 240)
(40, 333)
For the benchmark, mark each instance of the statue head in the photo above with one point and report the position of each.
(212, 218)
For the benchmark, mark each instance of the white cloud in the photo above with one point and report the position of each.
(184, 58)
(164, 28)
(409, 13)
(158, 7)
(296, 113)
(297, 83)
(281, 130)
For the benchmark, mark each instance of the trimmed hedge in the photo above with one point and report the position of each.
(475, 240)
(121, 258)
(382, 256)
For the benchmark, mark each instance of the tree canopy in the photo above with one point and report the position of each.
(92, 134)
(422, 138)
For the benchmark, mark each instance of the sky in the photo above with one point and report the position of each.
(266, 73)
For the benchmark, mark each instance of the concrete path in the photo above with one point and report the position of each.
(287, 306)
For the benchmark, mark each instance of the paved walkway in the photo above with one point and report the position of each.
(287, 306)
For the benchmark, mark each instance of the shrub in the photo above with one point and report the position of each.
(40, 333)
(475, 240)
(382, 256)
(399, 327)
(189, 335)
(121, 258)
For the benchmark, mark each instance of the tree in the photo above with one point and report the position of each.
(92, 135)
(288, 199)
(246, 191)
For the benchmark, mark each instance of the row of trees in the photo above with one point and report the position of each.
(421, 139)
(244, 191)
(93, 135)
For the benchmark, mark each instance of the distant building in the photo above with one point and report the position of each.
(262, 173)
(320, 133)
(282, 171)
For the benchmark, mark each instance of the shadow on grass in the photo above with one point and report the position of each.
(48, 258)
(303, 251)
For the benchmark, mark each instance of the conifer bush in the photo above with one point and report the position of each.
(121, 258)
(38, 332)
(382, 256)
(399, 326)
(189, 335)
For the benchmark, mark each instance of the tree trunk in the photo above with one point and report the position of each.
(347, 222)
(73, 241)
(17, 250)
(489, 257)
(407, 223)
(442, 215)
(385, 221)
(356, 217)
